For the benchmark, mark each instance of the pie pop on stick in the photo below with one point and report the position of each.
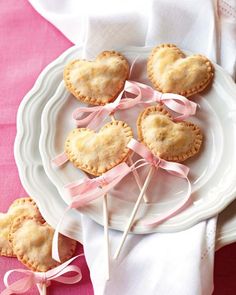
(20, 207)
(89, 82)
(86, 190)
(98, 82)
(31, 241)
(98, 152)
(83, 79)
(166, 140)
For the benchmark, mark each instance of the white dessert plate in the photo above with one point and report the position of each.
(213, 171)
(31, 170)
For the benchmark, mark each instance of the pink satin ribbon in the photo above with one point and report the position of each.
(87, 190)
(60, 159)
(173, 168)
(32, 278)
(144, 95)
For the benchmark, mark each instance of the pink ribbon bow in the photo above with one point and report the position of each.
(173, 168)
(31, 278)
(87, 190)
(144, 95)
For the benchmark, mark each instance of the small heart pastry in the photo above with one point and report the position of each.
(166, 139)
(97, 82)
(31, 241)
(20, 207)
(97, 153)
(171, 71)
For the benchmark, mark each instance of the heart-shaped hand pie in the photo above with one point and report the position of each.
(20, 207)
(32, 243)
(171, 71)
(166, 139)
(97, 82)
(97, 153)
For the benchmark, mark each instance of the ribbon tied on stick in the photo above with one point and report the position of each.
(89, 189)
(154, 162)
(32, 278)
(86, 190)
(143, 95)
(174, 168)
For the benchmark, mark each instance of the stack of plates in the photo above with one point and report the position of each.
(44, 119)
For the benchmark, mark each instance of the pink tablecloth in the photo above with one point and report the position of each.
(28, 44)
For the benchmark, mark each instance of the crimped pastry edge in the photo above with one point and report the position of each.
(87, 99)
(9, 251)
(33, 265)
(94, 170)
(184, 156)
(202, 85)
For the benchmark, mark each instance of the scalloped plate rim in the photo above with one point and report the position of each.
(223, 236)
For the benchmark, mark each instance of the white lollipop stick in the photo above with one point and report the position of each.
(135, 173)
(138, 180)
(44, 289)
(106, 236)
(39, 288)
(134, 212)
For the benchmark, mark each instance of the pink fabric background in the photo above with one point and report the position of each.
(27, 44)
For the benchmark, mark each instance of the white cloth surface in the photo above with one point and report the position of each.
(170, 263)
(202, 26)
(164, 263)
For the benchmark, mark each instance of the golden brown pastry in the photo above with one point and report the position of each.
(97, 153)
(20, 207)
(97, 82)
(31, 241)
(170, 70)
(166, 139)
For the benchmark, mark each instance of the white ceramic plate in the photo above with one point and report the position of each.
(213, 171)
(30, 166)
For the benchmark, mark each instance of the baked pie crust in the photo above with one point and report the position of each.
(170, 70)
(166, 139)
(20, 207)
(97, 153)
(31, 241)
(97, 82)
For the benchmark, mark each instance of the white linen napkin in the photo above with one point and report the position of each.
(170, 263)
(204, 26)
(167, 264)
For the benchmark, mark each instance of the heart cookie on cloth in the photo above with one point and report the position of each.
(20, 207)
(31, 241)
(97, 153)
(97, 82)
(166, 139)
(171, 71)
